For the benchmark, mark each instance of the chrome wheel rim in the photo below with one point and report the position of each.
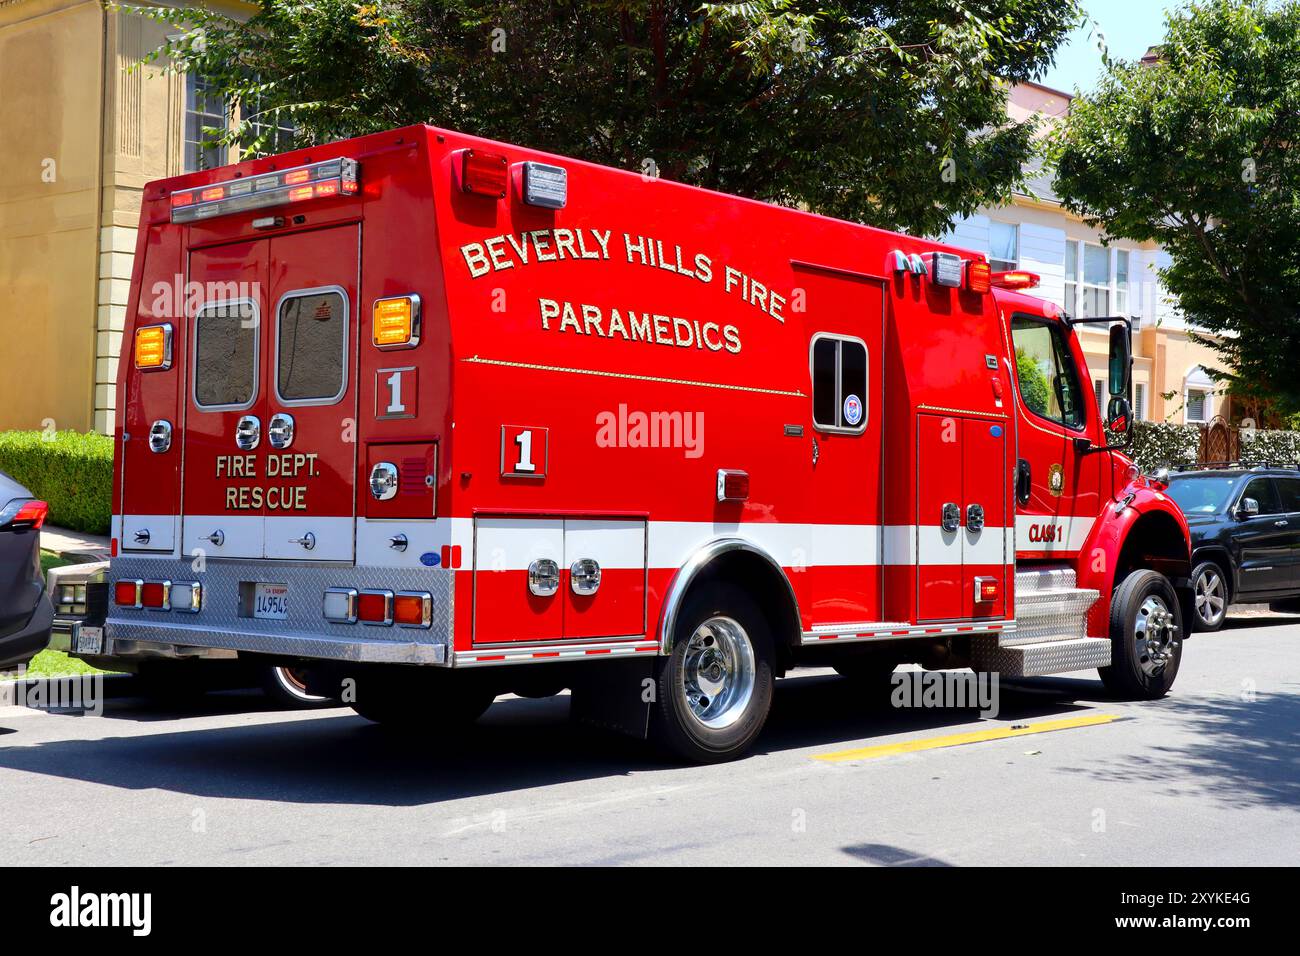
(1156, 636)
(294, 684)
(717, 673)
(1211, 596)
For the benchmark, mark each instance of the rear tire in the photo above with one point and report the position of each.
(1146, 634)
(414, 701)
(286, 688)
(1210, 591)
(714, 691)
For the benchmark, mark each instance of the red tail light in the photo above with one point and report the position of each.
(154, 594)
(127, 593)
(23, 514)
(484, 174)
(979, 277)
(733, 485)
(375, 607)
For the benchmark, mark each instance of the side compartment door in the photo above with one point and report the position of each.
(508, 605)
(984, 512)
(939, 504)
(615, 548)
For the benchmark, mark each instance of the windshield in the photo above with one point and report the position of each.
(1201, 494)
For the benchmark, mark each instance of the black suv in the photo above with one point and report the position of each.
(1245, 525)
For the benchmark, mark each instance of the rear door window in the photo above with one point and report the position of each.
(225, 354)
(1289, 489)
(311, 339)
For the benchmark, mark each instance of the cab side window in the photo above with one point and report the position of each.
(839, 384)
(1049, 383)
(1263, 491)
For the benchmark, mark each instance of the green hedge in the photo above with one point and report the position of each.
(1161, 445)
(73, 472)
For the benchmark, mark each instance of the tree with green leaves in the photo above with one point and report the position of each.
(891, 112)
(1200, 152)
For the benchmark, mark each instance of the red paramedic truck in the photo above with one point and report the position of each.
(443, 418)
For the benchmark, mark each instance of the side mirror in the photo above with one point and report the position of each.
(1121, 360)
(1248, 508)
(1119, 416)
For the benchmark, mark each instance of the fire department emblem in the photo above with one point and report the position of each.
(1056, 480)
(853, 409)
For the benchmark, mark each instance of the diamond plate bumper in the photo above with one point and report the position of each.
(305, 632)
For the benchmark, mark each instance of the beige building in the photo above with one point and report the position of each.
(1088, 278)
(84, 124)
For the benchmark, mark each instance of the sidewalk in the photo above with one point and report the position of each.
(74, 545)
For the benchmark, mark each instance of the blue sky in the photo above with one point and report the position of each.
(1130, 26)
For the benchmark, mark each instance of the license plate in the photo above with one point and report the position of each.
(271, 601)
(90, 640)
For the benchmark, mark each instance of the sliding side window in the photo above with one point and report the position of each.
(839, 383)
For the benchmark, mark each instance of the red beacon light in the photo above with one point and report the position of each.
(1016, 279)
(484, 174)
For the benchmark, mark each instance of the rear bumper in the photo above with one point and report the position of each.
(222, 625)
(33, 637)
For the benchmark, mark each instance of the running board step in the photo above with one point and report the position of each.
(1051, 614)
(1044, 657)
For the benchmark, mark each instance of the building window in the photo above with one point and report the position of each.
(1004, 246)
(1140, 402)
(205, 111)
(276, 126)
(1121, 281)
(1101, 282)
(1198, 390)
(1095, 294)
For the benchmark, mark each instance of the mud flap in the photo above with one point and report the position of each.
(617, 696)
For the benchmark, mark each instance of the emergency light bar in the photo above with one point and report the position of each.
(1015, 279)
(333, 177)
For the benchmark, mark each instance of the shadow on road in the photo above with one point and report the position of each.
(1242, 753)
(333, 756)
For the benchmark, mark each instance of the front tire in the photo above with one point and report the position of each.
(1146, 633)
(1210, 589)
(714, 691)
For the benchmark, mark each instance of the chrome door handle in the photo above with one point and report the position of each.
(1279, 524)
(248, 432)
(308, 541)
(142, 536)
(217, 538)
(951, 516)
(584, 577)
(974, 517)
(398, 542)
(280, 431)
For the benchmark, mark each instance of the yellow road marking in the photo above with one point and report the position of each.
(956, 740)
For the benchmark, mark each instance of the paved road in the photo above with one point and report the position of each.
(1210, 775)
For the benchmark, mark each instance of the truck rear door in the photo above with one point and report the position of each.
(269, 460)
